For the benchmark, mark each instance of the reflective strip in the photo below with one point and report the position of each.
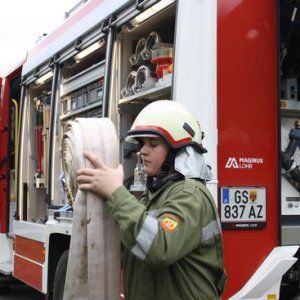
(210, 230)
(145, 237)
(153, 213)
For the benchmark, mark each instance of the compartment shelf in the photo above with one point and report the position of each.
(94, 73)
(83, 110)
(290, 108)
(154, 93)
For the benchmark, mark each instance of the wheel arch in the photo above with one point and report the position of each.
(58, 243)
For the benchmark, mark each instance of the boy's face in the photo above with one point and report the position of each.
(154, 152)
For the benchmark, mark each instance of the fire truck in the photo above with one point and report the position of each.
(234, 63)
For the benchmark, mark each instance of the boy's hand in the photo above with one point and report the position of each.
(102, 180)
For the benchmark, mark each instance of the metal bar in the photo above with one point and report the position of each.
(52, 128)
(107, 69)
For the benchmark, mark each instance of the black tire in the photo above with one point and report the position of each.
(4, 289)
(60, 276)
(297, 297)
(5, 282)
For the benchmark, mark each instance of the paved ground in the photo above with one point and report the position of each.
(22, 292)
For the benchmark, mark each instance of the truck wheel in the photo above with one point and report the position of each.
(4, 289)
(60, 276)
(297, 297)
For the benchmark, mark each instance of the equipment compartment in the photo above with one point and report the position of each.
(289, 70)
(145, 75)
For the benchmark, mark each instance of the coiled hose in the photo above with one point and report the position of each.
(94, 257)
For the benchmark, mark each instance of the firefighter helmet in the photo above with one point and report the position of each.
(169, 120)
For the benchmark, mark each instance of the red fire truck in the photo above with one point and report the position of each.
(234, 63)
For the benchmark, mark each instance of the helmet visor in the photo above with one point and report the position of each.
(135, 138)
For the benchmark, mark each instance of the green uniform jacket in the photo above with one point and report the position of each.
(173, 243)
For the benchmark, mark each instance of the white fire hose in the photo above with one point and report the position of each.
(94, 257)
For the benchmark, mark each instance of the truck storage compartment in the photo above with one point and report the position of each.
(145, 65)
(290, 122)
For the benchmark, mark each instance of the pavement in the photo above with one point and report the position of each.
(22, 292)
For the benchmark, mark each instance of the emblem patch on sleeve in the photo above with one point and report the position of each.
(168, 224)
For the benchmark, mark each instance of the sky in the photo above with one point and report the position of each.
(22, 22)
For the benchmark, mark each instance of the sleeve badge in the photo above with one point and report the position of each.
(168, 224)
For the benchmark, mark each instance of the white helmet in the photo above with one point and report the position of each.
(170, 120)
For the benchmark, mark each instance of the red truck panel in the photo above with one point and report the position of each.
(247, 124)
(5, 102)
(4, 174)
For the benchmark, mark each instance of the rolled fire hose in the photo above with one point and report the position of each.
(143, 74)
(128, 89)
(93, 270)
(135, 58)
(152, 39)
